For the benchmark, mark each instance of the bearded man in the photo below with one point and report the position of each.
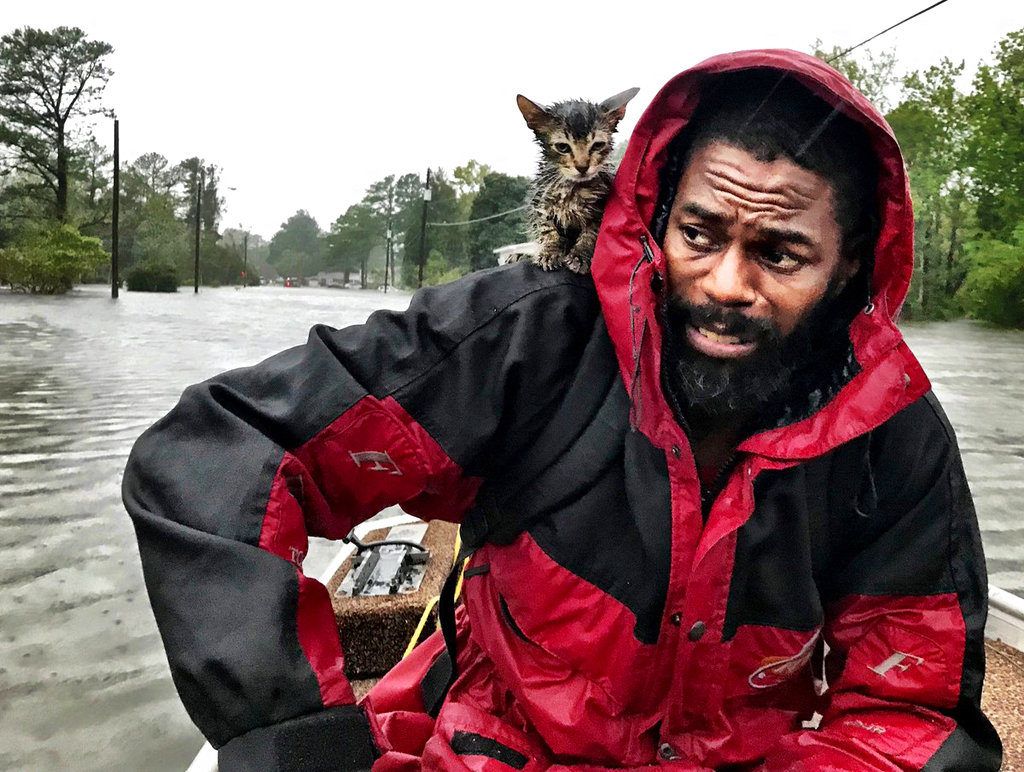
(710, 490)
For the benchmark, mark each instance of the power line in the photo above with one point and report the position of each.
(479, 219)
(887, 29)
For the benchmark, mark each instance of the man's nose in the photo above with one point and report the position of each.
(727, 283)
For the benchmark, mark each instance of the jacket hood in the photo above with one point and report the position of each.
(628, 267)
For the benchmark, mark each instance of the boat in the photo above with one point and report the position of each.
(1002, 699)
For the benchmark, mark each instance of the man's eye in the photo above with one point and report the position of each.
(782, 261)
(695, 237)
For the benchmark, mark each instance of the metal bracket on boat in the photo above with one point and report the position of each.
(394, 566)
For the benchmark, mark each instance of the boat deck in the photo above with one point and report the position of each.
(1003, 700)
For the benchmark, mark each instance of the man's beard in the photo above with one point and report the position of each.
(760, 383)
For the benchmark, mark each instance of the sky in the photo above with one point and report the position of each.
(304, 104)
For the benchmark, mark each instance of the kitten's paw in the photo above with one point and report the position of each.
(577, 264)
(549, 261)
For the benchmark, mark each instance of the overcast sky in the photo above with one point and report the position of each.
(304, 104)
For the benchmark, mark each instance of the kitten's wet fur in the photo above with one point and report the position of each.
(573, 178)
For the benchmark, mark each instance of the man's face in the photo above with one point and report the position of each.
(753, 257)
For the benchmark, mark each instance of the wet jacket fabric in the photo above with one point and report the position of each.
(623, 628)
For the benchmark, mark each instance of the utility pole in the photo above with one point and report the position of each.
(199, 207)
(245, 259)
(387, 234)
(423, 229)
(114, 279)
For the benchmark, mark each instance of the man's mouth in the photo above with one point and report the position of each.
(718, 344)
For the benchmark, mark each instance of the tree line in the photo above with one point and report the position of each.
(964, 149)
(384, 229)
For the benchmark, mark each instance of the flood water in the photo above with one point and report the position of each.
(83, 679)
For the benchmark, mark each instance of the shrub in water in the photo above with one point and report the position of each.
(49, 262)
(153, 276)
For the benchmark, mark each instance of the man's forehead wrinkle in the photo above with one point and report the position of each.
(781, 195)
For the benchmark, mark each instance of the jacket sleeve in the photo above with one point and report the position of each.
(410, 408)
(905, 618)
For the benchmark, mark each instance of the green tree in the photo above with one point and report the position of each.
(352, 237)
(450, 242)
(296, 249)
(931, 125)
(50, 261)
(467, 181)
(189, 174)
(874, 75)
(47, 80)
(158, 236)
(994, 288)
(996, 148)
(498, 193)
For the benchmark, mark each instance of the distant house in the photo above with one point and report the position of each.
(511, 252)
(336, 278)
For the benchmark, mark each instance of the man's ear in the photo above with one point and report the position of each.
(615, 106)
(535, 115)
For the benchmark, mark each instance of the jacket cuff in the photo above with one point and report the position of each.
(335, 739)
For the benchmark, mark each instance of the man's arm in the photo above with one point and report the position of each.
(906, 619)
(410, 408)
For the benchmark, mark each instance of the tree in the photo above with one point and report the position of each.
(351, 238)
(449, 242)
(467, 180)
(190, 172)
(874, 75)
(295, 250)
(156, 173)
(996, 147)
(498, 193)
(50, 261)
(994, 288)
(48, 79)
(92, 172)
(159, 236)
(931, 125)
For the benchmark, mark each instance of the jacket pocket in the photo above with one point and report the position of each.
(506, 615)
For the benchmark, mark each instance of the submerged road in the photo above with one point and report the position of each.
(84, 683)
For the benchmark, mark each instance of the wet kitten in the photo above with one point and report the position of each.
(574, 176)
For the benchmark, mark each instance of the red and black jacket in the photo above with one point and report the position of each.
(619, 629)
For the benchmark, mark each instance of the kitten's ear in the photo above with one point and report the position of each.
(615, 106)
(535, 115)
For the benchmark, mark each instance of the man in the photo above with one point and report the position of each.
(687, 475)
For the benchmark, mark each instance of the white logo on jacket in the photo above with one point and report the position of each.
(896, 659)
(775, 670)
(381, 461)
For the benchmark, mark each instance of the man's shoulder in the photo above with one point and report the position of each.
(921, 423)
(493, 290)
(499, 301)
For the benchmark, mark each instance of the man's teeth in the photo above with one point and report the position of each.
(717, 337)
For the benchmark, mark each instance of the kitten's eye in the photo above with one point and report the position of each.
(597, 147)
(561, 147)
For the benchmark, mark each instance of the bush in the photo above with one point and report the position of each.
(994, 287)
(49, 262)
(153, 276)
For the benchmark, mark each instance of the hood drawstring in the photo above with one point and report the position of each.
(635, 398)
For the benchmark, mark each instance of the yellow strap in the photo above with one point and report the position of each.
(419, 628)
(415, 639)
